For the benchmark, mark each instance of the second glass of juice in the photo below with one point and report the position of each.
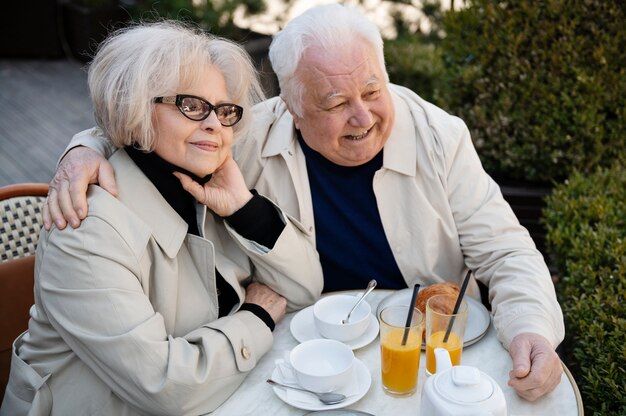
(400, 349)
(439, 314)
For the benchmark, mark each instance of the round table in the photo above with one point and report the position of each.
(256, 397)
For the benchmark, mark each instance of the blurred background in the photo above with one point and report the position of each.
(541, 85)
(46, 44)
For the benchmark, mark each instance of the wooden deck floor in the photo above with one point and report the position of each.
(42, 104)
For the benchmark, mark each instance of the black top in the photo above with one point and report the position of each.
(258, 220)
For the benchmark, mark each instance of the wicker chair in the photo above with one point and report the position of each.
(21, 221)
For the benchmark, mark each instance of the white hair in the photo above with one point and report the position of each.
(136, 64)
(328, 27)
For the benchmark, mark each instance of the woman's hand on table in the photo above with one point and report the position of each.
(537, 368)
(266, 298)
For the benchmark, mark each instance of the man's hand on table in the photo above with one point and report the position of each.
(67, 197)
(536, 366)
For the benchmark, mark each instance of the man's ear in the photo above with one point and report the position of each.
(296, 119)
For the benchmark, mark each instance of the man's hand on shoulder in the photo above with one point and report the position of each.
(537, 368)
(67, 197)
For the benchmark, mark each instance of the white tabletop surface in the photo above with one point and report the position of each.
(256, 397)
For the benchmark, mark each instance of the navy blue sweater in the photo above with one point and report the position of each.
(349, 232)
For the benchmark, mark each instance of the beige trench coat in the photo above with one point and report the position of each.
(441, 212)
(125, 319)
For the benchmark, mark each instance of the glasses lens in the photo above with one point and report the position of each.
(194, 108)
(228, 114)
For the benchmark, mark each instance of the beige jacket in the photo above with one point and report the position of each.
(125, 320)
(441, 212)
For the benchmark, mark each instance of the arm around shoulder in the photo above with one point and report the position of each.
(94, 139)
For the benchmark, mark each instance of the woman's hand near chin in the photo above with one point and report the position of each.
(225, 193)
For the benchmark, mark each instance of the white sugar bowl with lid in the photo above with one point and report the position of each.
(460, 390)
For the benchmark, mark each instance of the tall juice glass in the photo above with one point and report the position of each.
(400, 362)
(439, 310)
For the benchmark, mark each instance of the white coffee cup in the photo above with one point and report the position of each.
(322, 365)
(329, 311)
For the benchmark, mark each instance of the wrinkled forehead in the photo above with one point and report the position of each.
(340, 58)
(356, 63)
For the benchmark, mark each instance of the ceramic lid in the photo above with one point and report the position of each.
(463, 384)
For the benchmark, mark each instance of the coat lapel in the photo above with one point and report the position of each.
(167, 227)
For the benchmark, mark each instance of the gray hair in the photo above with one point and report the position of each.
(137, 63)
(329, 27)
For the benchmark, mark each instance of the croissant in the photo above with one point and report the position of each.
(447, 305)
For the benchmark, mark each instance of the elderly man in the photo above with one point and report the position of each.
(383, 183)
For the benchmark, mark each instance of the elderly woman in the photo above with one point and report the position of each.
(156, 304)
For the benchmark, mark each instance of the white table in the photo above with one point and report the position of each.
(256, 397)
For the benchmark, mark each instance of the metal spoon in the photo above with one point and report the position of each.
(370, 286)
(326, 398)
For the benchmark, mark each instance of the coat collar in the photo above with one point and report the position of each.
(399, 151)
(141, 197)
(282, 134)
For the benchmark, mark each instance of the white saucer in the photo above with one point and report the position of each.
(303, 329)
(478, 319)
(362, 377)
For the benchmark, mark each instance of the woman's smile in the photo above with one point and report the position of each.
(206, 145)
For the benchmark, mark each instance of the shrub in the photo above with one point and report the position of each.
(541, 84)
(585, 218)
(413, 64)
(216, 17)
(413, 58)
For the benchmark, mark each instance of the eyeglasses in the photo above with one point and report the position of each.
(198, 109)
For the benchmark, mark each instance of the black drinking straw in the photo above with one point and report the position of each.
(457, 305)
(409, 316)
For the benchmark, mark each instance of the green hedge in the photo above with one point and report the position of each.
(541, 84)
(413, 64)
(585, 219)
(214, 16)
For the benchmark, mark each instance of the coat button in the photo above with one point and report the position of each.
(245, 352)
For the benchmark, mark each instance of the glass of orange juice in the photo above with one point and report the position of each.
(400, 361)
(439, 310)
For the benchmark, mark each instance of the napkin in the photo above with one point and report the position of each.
(286, 375)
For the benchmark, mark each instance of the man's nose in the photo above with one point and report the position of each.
(361, 115)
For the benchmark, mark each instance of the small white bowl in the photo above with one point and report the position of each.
(329, 311)
(322, 365)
